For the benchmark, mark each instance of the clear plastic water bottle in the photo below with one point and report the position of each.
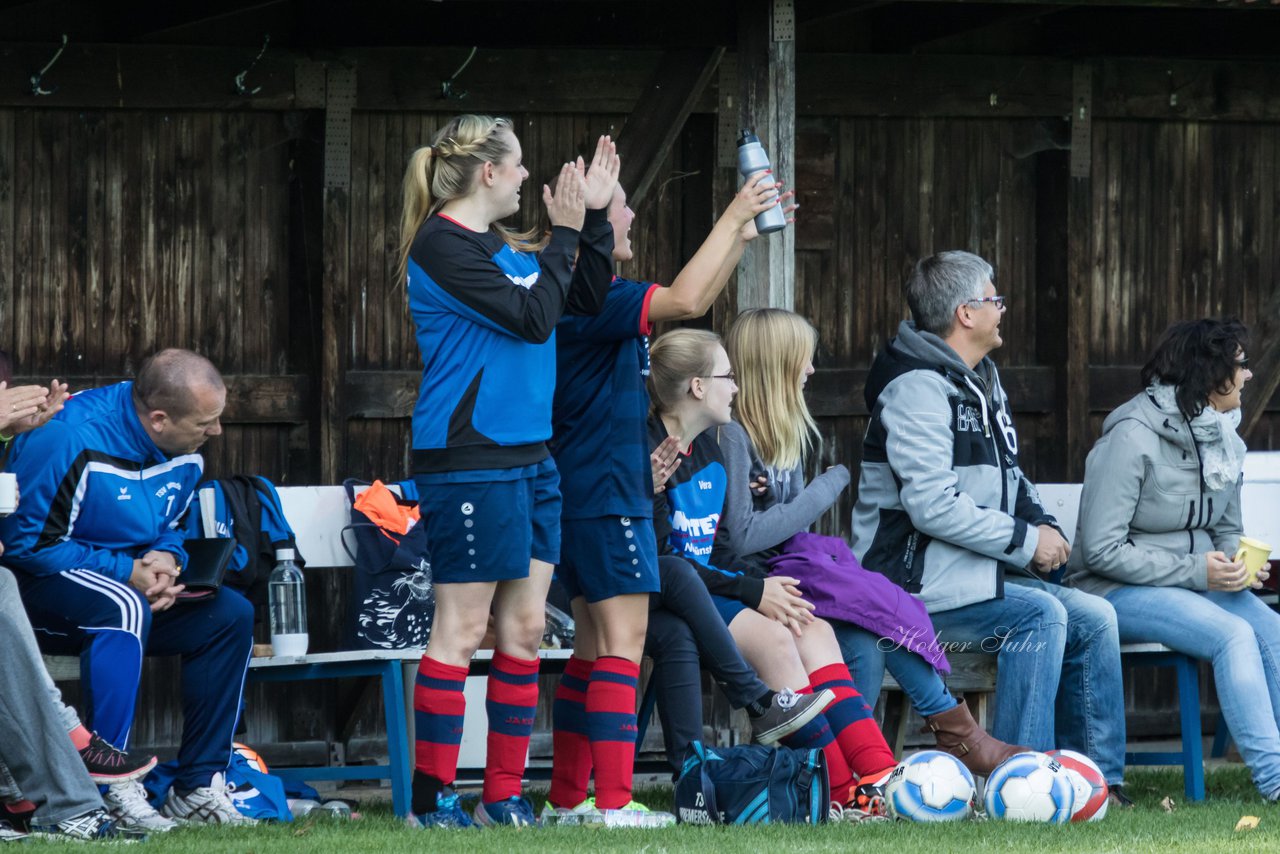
(287, 602)
(752, 159)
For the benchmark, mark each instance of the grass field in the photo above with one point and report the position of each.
(1148, 828)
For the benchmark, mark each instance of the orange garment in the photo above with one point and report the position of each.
(386, 510)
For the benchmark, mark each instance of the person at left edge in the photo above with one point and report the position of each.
(97, 548)
(485, 303)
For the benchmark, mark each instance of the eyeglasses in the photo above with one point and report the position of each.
(731, 377)
(997, 300)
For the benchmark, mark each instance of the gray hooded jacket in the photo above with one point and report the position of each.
(943, 508)
(1146, 516)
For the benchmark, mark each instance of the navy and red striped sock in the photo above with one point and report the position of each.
(511, 701)
(571, 749)
(853, 723)
(438, 711)
(816, 734)
(611, 727)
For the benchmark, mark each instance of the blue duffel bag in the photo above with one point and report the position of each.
(752, 784)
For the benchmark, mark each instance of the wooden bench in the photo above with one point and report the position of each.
(318, 515)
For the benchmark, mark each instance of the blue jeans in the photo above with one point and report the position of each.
(866, 654)
(1240, 637)
(1058, 681)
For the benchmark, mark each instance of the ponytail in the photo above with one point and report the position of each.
(446, 170)
(417, 204)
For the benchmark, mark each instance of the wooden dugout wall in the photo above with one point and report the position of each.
(139, 214)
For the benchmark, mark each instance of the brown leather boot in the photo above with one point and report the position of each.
(959, 734)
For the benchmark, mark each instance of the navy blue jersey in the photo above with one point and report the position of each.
(599, 437)
(485, 317)
(96, 491)
(686, 518)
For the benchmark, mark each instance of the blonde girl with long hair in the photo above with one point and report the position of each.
(692, 387)
(768, 503)
(485, 301)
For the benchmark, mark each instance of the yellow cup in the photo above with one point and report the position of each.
(1254, 553)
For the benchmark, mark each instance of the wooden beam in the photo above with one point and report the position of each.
(978, 86)
(336, 250)
(1182, 90)
(136, 76)
(767, 76)
(510, 81)
(251, 398)
(659, 115)
(1079, 274)
(1266, 365)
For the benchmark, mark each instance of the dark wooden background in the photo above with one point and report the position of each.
(145, 204)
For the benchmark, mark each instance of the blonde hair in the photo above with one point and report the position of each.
(769, 349)
(674, 359)
(445, 170)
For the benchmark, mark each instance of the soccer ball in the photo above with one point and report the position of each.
(1030, 787)
(251, 756)
(930, 786)
(1090, 785)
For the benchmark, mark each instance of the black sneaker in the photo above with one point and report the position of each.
(787, 713)
(90, 826)
(1117, 799)
(107, 765)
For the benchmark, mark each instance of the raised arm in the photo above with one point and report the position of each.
(701, 280)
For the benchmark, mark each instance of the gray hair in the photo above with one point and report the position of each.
(942, 283)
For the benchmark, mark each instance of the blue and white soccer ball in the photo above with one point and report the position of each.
(930, 786)
(1030, 787)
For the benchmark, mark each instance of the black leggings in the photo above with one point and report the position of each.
(685, 634)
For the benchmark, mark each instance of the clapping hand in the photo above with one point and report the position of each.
(24, 408)
(567, 206)
(602, 177)
(663, 462)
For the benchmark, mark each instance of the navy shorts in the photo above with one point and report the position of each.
(488, 530)
(608, 556)
(728, 608)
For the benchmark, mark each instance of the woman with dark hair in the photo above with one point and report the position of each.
(1159, 517)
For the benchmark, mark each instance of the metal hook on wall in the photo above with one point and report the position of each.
(241, 89)
(38, 78)
(447, 91)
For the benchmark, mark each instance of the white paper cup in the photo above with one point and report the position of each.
(8, 493)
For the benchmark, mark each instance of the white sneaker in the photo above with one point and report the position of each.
(127, 804)
(209, 804)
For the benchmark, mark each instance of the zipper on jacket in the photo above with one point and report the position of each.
(1199, 468)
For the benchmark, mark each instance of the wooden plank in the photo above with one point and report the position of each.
(251, 398)
(509, 81)
(973, 86)
(766, 74)
(1079, 281)
(1180, 90)
(336, 242)
(137, 76)
(659, 115)
(831, 392)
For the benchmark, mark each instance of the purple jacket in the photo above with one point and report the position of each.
(840, 589)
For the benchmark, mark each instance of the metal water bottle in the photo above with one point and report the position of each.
(287, 602)
(752, 159)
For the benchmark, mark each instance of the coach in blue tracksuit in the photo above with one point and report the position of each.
(97, 548)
